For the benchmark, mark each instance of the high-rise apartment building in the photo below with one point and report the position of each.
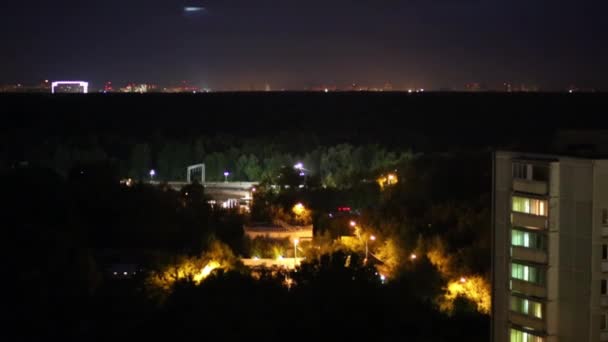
(550, 254)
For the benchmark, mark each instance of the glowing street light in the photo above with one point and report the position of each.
(353, 223)
(152, 174)
(413, 256)
(463, 280)
(226, 174)
(299, 166)
(295, 251)
(299, 209)
(373, 238)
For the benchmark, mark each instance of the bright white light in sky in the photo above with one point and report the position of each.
(193, 9)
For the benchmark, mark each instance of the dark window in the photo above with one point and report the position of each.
(520, 170)
(605, 217)
(605, 252)
(540, 173)
(603, 289)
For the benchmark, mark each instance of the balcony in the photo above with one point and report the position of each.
(527, 321)
(530, 186)
(528, 288)
(604, 301)
(529, 254)
(529, 221)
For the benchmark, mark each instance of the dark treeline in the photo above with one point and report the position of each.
(42, 127)
(253, 135)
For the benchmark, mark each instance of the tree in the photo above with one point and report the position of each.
(140, 161)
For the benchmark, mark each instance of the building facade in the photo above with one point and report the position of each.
(550, 254)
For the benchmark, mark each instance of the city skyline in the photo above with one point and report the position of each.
(242, 45)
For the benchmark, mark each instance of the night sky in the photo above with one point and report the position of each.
(241, 44)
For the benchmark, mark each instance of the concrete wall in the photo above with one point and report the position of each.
(287, 263)
(600, 201)
(501, 242)
(570, 258)
(278, 233)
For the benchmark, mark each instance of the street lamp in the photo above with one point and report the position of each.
(226, 174)
(295, 251)
(373, 238)
(152, 174)
(300, 167)
(413, 256)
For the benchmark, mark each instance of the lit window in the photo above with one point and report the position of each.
(526, 307)
(527, 239)
(529, 206)
(526, 273)
(521, 336)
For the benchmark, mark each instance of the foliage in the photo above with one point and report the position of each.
(194, 269)
(262, 247)
(473, 288)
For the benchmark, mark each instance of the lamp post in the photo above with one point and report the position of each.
(226, 174)
(152, 174)
(295, 252)
(373, 238)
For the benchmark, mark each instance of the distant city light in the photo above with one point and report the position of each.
(152, 173)
(298, 166)
(84, 85)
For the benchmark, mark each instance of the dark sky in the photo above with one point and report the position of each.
(297, 43)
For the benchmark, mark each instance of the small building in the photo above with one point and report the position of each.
(279, 231)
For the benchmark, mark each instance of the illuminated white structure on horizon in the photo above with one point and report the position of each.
(84, 85)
